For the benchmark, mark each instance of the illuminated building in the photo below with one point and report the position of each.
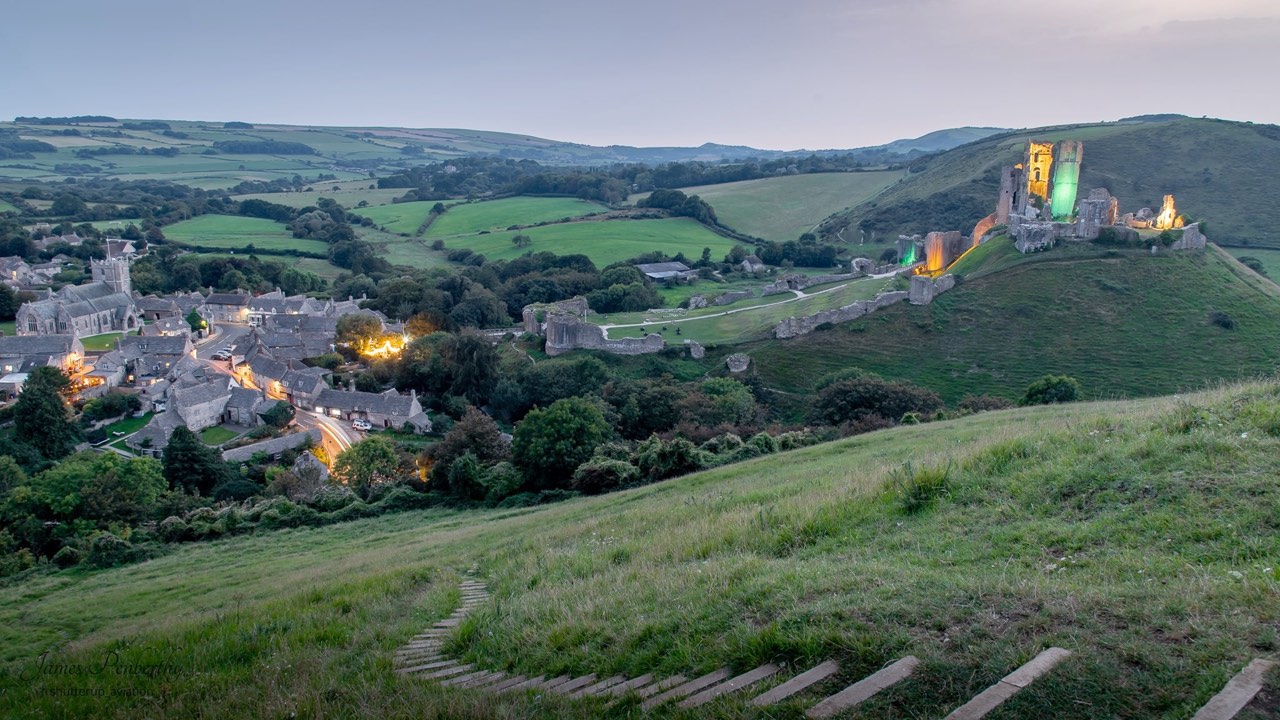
(1066, 179)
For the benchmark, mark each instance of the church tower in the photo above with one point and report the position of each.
(114, 272)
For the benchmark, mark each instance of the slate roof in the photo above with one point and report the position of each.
(152, 303)
(663, 270)
(227, 299)
(388, 403)
(272, 446)
(139, 345)
(11, 345)
(243, 399)
(185, 397)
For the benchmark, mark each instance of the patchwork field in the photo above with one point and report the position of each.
(784, 208)
(235, 232)
(7, 207)
(1138, 535)
(495, 215)
(404, 218)
(603, 242)
(347, 197)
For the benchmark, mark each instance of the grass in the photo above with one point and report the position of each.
(235, 232)
(398, 250)
(495, 215)
(101, 343)
(603, 242)
(128, 425)
(1270, 259)
(6, 206)
(1126, 326)
(1139, 535)
(404, 218)
(349, 195)
(784, 208)
(749, 320)
(217, 435)
(9, 327)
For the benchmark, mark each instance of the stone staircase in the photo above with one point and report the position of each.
(423, 657)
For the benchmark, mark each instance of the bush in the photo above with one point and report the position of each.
(107, 550)
(983, 403)
(235, 489)
(174, 529)
(502, 479)
(849, 401)
(599, 475)
(1052, 389)
(915, 490)
(67, 557)
(1222, 320)
(658, 460)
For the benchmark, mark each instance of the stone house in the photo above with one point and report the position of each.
(275, 303)
(274, 447)
(751, 264)
(226, 307)
(386, 410)
(111, 368)
(20, 354)
(153, 308)
(155, 356)
(246, 407)
(668, 271)
(167, 327)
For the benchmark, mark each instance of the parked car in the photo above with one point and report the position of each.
(361, 424)
(223, 354)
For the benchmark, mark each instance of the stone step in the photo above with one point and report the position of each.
(1010, 685)
(507, 684)
(661, 685)
(731, 685)
(629, 685)
(858, 692)
(1237, 693)
(449, 672)
(688, 688)
(489, 679)
(428, 666)
(553, 683)
(575, 684)
(600, 686)
(796, 684)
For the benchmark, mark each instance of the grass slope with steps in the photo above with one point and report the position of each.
(1139, 535)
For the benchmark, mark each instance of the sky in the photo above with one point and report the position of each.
(773, 74)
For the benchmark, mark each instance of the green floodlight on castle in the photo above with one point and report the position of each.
(1066, 179)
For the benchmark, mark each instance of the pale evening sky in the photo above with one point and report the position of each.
(777, 75)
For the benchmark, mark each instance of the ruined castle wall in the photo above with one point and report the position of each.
(1039, 164)
(732, 297)
(984, 226)
(924, 289)
(793, 326)
(566, 332)
(1192, 239)
(941, 249)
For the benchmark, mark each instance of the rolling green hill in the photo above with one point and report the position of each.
(783, 208)
(234, 232)
(1125, 324)
(1219, 171)
(1139, 535)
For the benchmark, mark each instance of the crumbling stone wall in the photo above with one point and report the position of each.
(941, 249)
(1097, 211)
(566, 332)
(573, 306)
(982, 228)
(1192, 239)
(732, 297)
(925, 289)
(787, 283)
(793, 326)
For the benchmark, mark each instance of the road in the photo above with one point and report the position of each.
(227, 336)
(335, 436)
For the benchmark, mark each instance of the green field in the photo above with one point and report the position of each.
(8, 207)
(495, 215)
(1126, 326)
(604, 242)
(101, 343)
(399, 250)
(235, 232)
(9, 327)
(1138, 535)
(1270, 259)
(217, 435)
(128, 426)
(404, 218)
(746, 320)
(784, 208)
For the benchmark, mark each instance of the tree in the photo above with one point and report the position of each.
(102, 487)
(280, 415)
(1052, 389)
(474, 362)
(475, 434)
(438, 209)
(521, 240)
(368, 464)
(68, 204)
(357, 329)
(863, 397)
(550, 444)
(9, 303)
(191, 465)
(196, 322)
(41, 416)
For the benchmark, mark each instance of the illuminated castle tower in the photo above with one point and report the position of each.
(1066, 178)
(1039, 163)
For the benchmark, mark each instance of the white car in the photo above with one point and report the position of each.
(223, 354)
(361, 424)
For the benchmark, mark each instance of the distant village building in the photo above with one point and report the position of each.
(751, 264)
(387, 410)
(667, 271)
(226, 307)
(20, 355)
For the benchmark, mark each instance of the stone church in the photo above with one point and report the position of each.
(104, 305)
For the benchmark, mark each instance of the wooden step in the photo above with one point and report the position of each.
(490, 679)
(507, 684)
(1237, 693)
(458, 679)
(858, 692)
(630, 685)
(575, 684)
(731, 685)
(528, 684)
(796, 684)
(1010, 685)
(428, 666)
(553, 683)
(661, 685)
(449, 672)
(688, 688)
(600, 686)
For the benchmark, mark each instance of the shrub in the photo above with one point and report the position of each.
(1052, 389)
(67, 557)
(599, 475)
(858, 398)
(1222, 320)
(107, 550)
(235, 489)
(917, 489)
(658, 460)
(983, 403)
(765, 443)
(502, 479)
(174, 529)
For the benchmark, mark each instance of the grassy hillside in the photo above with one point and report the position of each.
(399, 218)
(1219, 171)
(1128, 325)
(783, 208)
(1139, 535)
(235, 232)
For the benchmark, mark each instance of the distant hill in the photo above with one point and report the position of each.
(217, 154)
(940, 140)
(1219, 171)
